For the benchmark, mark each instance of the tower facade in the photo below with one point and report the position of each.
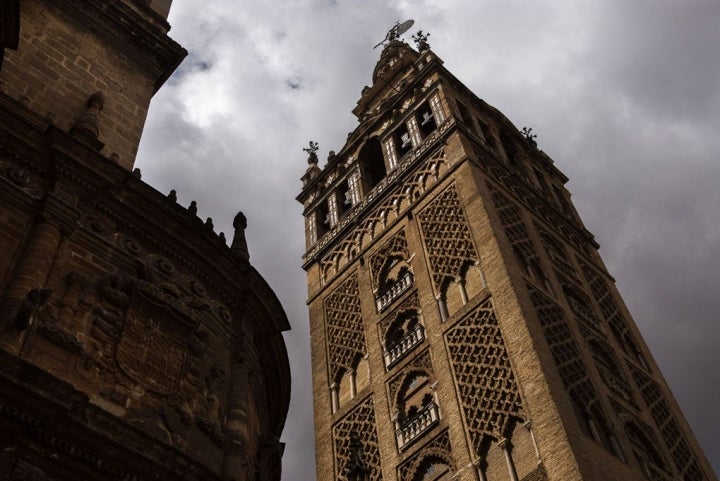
(463, 325)
(135, 343)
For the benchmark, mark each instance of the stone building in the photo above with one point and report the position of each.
(463, 325)
(135, 344)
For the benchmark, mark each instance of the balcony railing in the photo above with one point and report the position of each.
(398, 350)
(395, 291)
(417, 425)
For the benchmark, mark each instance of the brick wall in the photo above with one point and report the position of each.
(59, 63)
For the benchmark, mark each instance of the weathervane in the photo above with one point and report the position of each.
(397, 30)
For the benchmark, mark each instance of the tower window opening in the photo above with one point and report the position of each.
(322, 219)
(402, 336)
(354, 187)
(344, 199)
(372, 163)
(542, 183)
(437, 108)
(511, 150)
(426, 119)
(403, 141)
(486, 134)
(417, 411)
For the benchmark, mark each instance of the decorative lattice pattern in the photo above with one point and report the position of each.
(610, 310)
(673, 438)
(564, 350)
(438, 449)
(395, 248)
(515, 229)
(559, 255)
(345, 333)
(361, 423)
(566, 225)
(447, 237)
(488, 390)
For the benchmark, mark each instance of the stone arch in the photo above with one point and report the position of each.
(433, 465)
(392, 270)
(372, 161)
(414, 393)
(405, 321)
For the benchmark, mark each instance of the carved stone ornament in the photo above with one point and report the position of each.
(152, 350)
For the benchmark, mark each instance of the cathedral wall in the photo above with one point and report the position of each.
(145, 325)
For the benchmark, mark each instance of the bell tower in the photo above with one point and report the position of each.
(463, 325)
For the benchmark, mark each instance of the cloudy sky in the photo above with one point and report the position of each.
(624, 96)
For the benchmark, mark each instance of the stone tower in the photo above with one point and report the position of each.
(463, 325)
(135, 343)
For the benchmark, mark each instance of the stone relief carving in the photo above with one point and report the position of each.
(141, 342)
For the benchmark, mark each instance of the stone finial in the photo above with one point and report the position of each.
(421, 41)
(209, 223)
(136, 173)
(172, 196)
(311, 150)
(86, 127)
(192, 208)
(239, 246)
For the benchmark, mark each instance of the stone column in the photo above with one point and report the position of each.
(23, 293)
(442, 307)
(335, 397)
(237, 458)
(461, 286)
(480, 469)
(353, 386)
(506, 448)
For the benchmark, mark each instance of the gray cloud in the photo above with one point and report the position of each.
(624, 96)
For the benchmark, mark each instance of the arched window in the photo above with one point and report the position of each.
(404, 333)
(433, 469)
(394, 278)
(416, 408)
(372, 163)
(414, 395)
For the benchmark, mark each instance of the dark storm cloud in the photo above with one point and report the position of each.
(623, 95)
